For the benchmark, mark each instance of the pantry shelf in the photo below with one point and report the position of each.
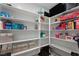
(67, 30)
(23, 20)
(29, 33)
(19, 20)
(16, 30)
(18, 53)
(64, 25)
(65, 49)
(19, 41)
(72, 41)
(20, 10)
(61, 48)
(14, 54)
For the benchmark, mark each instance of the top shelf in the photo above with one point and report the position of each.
(23, 20)
(67, 11)
(20, 10)
(17, 20)
(25, 12)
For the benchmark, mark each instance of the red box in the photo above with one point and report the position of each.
(77, 24)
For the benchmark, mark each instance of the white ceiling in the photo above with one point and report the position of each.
(44, 5)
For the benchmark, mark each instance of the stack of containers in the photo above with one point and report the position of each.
(68, 21)
(8, 24)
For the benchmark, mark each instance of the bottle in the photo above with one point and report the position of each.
(42, 34)
(36, 25)
(71, 25)
(1, 25)
(14, 25)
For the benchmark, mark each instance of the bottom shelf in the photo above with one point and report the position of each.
(14, 54)
(65, 49)
(61, 48)
(72, 41)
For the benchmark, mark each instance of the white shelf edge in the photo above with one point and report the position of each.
(44, 30)
(44, 45)
(61, 48)
(19, 41)
(63, 30)
(70, 10)
(44, 23)
(14, 54)
(44, 38)
(72, 41)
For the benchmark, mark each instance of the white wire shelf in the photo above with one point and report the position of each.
(14, 54)
(19, 41)
(22, 20)
(19, 9)
(18, 30)
(64, 48)
(18, 53)
(72, 41)
(19, 20)
(64, 30)
(61, 48)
